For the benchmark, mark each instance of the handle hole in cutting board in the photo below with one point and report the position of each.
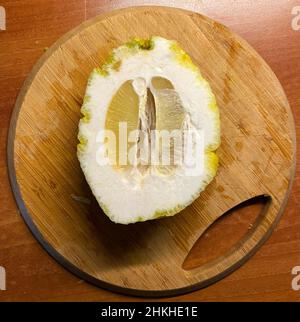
(226, 232)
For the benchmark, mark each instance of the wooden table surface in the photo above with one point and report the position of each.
(31, 26)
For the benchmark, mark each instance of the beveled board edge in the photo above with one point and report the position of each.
(51, 250)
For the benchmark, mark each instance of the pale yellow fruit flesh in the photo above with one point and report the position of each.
(162, 110)
(124, 107)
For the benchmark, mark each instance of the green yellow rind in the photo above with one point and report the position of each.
(182, 57)
(140, 43)
(85, 111)
(82, 143)
(113, 63)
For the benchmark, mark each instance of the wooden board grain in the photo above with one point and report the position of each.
(256, 156)
(267, 276)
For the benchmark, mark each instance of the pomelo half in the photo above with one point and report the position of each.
(148, 88)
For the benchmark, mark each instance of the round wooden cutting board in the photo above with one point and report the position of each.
(257, 156)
